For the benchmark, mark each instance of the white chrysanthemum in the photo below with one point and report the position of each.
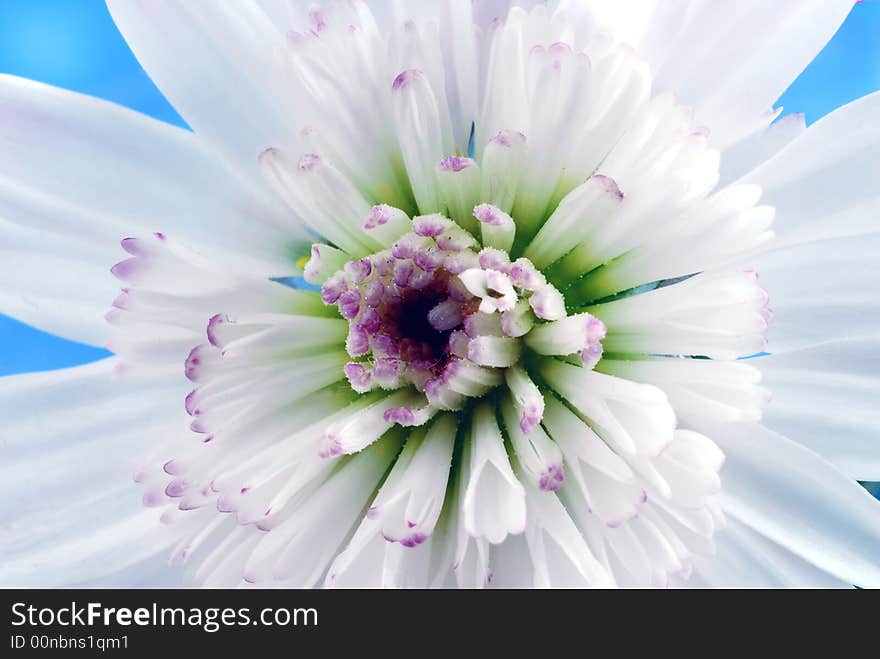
(531, 240)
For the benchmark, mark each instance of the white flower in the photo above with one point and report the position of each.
(537, 269)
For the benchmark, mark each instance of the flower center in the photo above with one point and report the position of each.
(438, 311)
(421, 337)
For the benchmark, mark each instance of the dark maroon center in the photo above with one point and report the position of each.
(415, 328)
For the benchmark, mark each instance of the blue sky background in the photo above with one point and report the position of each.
(74, 44)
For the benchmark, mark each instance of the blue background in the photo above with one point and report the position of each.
(74, 44)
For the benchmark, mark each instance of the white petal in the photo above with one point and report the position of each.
(502, 164)
(823, 182)
(345, 123)
(581, 444)
(720, 229)
(84, 173)
(730, 61)
(299, 549)
(460, 39)
(366, 420)
(540, 86)
(606, 483)
(498, 351)
(221, 561)
(720, 315)
(497, 228)
(279, 334)
(472, 562)
(560, 556)
(567, 336)
(751, 152)
(494, 287)
(360, 564)
(690, 466)
(539, 457)
(547, 303)
(408, 504)
(369, 561)
(510, 564)
(593, 202)
(423, 141)
(808, 507)
(73, 440)
(459, 181)
(324, 262)
(216, 64)
(494, 501)
(387, 224)
(746, 559)
(518, 321)
(470, 555)
(332, 206)
(72, 306)
(526, 397)
(700, 390)
(821, 291)
(633, 418)
(825, 398)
